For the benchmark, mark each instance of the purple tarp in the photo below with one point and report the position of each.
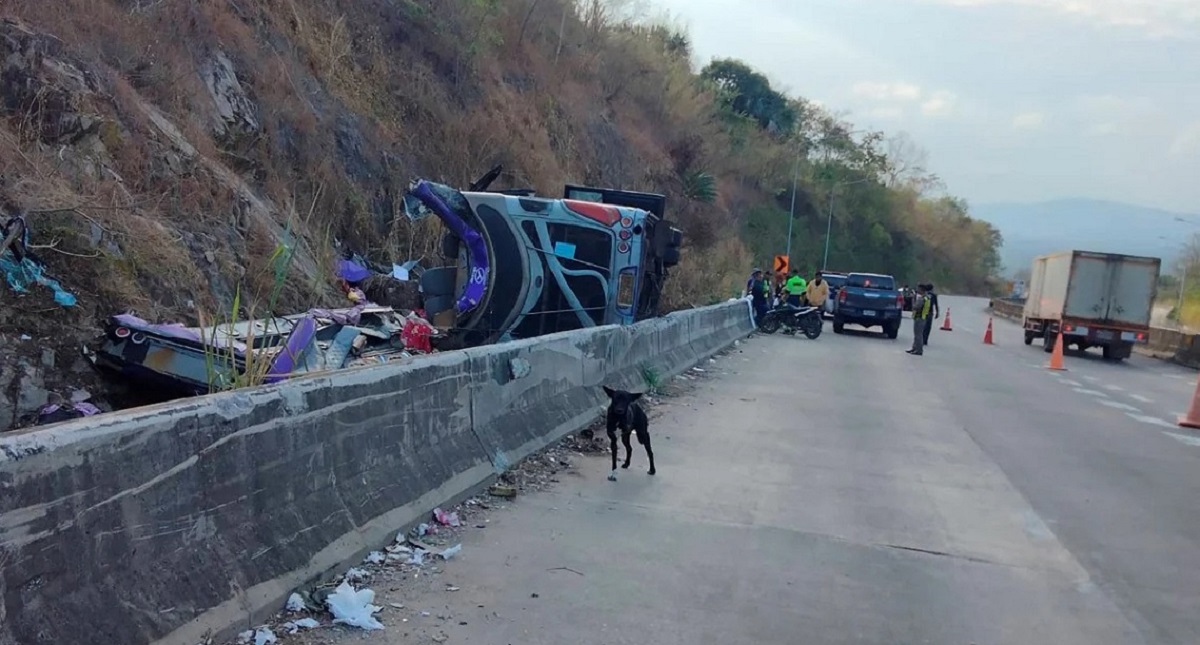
(477, 255)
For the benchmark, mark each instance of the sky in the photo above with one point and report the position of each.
(1014, 100)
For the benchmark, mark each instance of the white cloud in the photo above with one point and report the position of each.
(1154, 18)
(899, 91)
(941, 103)
(1028, 121)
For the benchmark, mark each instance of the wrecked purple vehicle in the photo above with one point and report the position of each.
(524, 266)
(185, 361)
(517, 266)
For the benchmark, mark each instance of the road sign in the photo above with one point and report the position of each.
(781, 264)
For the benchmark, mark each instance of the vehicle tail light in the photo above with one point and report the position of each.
(1068, 327)
(1141, 335)
(841, 295)
(623, 247)
(121, 332)
(900, 300)
(625, 234)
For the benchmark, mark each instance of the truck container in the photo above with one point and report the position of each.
(1095, 300)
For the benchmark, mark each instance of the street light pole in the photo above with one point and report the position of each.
(792, 212)
(829, 221)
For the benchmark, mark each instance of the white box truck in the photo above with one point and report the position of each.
(1095, 299)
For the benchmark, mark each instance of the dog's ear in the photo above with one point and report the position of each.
(608, 391)
(635, 397)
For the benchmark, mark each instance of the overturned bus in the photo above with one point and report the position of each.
(519, 265)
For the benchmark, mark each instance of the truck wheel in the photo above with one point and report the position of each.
(892, 331)
(1048, 343)
(1028, 337)
(838, 325)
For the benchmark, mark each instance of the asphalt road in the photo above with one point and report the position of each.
(841, 491)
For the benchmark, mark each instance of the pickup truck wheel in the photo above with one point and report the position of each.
(1028, 338)
(892, 331)
(838, 326)
(1048, 342)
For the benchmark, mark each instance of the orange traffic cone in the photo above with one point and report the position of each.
(946, 323)
(1192, 419)
(987, 335)
(1056, 357)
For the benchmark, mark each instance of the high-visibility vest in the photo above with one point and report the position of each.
(796, 286)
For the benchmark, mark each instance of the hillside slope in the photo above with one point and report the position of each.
(166, 154)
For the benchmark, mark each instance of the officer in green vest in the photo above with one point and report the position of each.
(795, 288)
(920, 314)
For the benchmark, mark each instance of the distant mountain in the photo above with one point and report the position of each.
(1034, 229)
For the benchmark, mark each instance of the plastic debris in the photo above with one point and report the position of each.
(295, 603)
(423, 529)
(354, 608)
(450, 552)
(446, 519)
(294, 626)
(375, 557)
(395, 605)
(501, 490)
(417, 558)
(357, 575)
(245, 637)
(260, 636)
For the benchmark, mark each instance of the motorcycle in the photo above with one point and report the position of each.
(807, 320)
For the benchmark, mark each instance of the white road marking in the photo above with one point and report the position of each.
(1094, 379)
(1118, 405)
(1072, 383)
(1143, 399)
(1191, 441)
(1114, 388)
(1154, 421)
(1095, 393)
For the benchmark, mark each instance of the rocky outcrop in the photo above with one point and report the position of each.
(236, 113)
(37, 82)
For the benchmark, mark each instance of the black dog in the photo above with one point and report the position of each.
(625, 413)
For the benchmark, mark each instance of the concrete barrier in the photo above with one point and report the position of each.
(197, 518)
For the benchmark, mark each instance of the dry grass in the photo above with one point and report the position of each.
(354, 99)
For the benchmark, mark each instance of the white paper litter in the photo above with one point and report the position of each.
(245, 637)
(264, 636)
(375, 557)
(357, 575)
(353, 608)
(450, 552)
(417, 557)
(295, 603)
(294, 626)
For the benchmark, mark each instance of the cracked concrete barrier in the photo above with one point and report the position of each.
(197, 518)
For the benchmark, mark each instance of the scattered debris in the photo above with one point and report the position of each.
(353, 607)
(446, 519)
(357, 575)
(502, 490)
(181, 359)
(450, 552)
(21, 267)
(260, 636)
(294, 626)
(295, 603)
(375, 557)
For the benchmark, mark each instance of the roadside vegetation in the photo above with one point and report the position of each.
(160, 148)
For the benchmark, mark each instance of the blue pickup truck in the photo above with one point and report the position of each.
(869, 300)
